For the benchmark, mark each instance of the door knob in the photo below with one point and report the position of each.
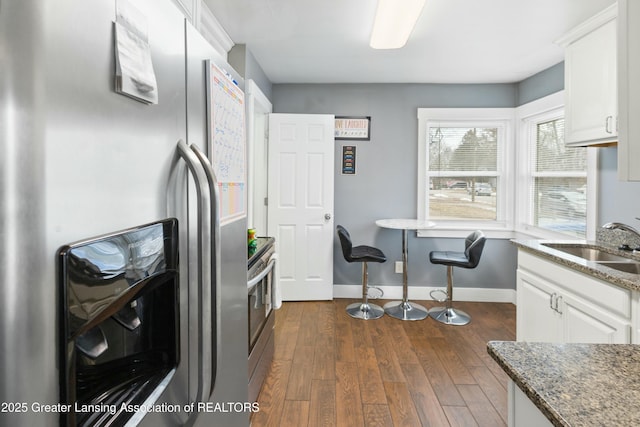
(327, 216)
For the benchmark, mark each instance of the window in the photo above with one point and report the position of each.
(464, 157)
(559, 182)
(554, 188)
(505, 171)
(463, 172)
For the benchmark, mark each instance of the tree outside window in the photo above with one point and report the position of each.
(463, 172)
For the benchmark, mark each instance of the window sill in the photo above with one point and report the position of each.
(445, 232)
(462, 232)
(542, 234)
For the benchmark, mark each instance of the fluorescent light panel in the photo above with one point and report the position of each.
(394, 23)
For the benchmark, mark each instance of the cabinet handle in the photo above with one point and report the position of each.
(558, 304)
(554, 302)
(607, 124)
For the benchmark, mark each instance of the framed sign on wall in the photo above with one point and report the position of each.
(353, 128)
(348, 160)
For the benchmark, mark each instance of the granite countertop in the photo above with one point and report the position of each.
(576, 384)
(625, 280)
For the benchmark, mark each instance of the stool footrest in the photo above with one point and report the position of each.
(377, 289)
(442, 291)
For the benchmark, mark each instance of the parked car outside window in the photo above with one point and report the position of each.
(480, 189)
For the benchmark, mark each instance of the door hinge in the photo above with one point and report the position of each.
(266, 201)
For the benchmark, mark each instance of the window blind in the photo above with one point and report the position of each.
(463, 172)
(559, 181)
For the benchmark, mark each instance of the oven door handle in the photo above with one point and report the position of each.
(262, 274)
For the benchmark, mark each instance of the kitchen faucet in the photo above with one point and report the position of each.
(624, 227)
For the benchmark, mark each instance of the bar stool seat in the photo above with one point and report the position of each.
(362, 254)
(474, 244)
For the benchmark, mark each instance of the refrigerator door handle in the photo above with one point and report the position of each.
(215, 249)
(204, 274)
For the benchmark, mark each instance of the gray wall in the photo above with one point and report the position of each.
(243, 61)
(541, 84)
(385, 185)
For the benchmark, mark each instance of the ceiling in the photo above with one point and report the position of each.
(455, 41)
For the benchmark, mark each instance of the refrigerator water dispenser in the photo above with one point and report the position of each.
(119, 317)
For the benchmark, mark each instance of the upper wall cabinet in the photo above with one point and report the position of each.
(591, 112)
(201, 17)
(629, 90)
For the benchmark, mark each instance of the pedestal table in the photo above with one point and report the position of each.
(405, 310)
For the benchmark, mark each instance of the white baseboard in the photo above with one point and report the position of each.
(422, 293)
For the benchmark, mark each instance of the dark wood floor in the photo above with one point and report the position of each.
(332, 370)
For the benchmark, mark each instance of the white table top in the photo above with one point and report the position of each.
(405, 224)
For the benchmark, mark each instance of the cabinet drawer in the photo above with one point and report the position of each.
(609, 297)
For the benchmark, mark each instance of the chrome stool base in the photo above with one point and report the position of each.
(450, 316)
(405, 310)
(364, 311)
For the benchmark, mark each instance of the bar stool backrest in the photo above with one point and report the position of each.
(474, 244)
(345, 243)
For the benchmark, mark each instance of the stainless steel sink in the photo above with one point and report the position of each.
(627, 267)
(589, 253)
(599, 256)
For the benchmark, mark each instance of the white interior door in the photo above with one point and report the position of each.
(300, 203)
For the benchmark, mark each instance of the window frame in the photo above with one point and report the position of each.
(504, 118)
(528, 116)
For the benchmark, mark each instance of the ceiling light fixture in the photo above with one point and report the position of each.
(394, 23)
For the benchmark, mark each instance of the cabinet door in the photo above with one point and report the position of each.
(584, 323)
(591, 88)
(535, 318)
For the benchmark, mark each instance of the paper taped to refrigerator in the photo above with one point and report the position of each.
(135, 76)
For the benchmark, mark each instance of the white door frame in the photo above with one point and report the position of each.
(258, 109)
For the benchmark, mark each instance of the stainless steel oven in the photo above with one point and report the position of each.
(261, 319)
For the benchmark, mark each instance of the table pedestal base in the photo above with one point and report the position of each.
(405, 310)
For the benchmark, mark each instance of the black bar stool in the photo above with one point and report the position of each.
(473, 244)
(363, 254)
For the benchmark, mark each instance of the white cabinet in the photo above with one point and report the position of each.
(190, 9)
(586, 323)
(591, 108)
(537, 320)
(200, 16)
(557, 304)
(523, 412)
(629, 90)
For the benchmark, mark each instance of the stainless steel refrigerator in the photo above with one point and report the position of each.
(79, 160)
